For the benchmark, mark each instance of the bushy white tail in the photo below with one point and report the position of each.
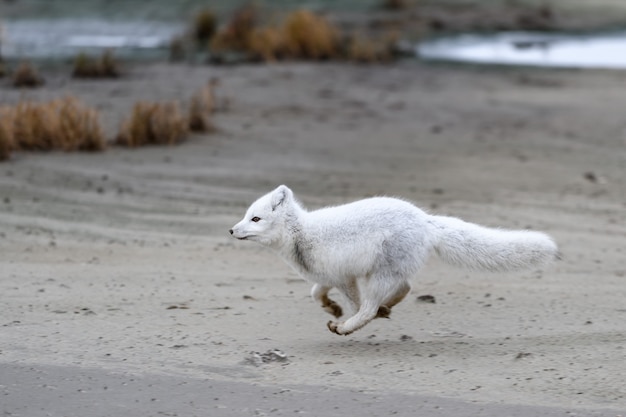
(476, 247)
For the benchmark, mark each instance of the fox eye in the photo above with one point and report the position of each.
(255, 219)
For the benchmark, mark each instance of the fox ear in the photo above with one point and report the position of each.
(280, 195)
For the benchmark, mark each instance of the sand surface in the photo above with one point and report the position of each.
(119, 267)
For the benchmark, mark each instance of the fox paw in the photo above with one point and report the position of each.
(383, 312)
(334, 309)
(336, 327)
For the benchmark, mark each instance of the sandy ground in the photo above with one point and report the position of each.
(119, 280)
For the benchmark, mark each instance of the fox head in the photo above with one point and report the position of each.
(265, 220)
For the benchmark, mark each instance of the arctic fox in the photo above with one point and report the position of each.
(369, 249)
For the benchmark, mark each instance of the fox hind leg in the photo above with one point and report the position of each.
(384, 311)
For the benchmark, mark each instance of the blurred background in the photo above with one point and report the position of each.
(48, 29)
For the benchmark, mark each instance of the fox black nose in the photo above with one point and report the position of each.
(231, 231)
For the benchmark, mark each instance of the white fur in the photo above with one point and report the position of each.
(380, 243)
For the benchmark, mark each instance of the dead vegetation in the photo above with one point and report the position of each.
(310, 36)
(201, 108)
(163, 123)
(154, 123)
(301, 35)
(253, 34)
(69, 125)
(267, 44)
(79, 127)
(86, 66)
(204, 25)
(7, 138)
(63, 124)
(237, 34)
(25, 75)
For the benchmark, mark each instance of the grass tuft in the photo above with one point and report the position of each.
(34, 126)
(7, 137)
(204, 25)
(109, 67)
(79, 127)
(201, 108)
(237, 34)
(86, 66)
(153, 123)
(67, 124)
(268, 44)
(309, 36)
(64, 124)
(26, 75)
(302, 35)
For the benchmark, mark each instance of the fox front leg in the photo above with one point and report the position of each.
(366, 313)
(320, 294)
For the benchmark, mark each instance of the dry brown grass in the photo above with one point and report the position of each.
(309, 36)
(7, 138)
(237, 33)
(268, 44)
(154, 124)
(67, 124)
(64, 124)
(204, 25)
(34, 126)
(108, 65)
(79, 127)
(201, 108)
(25, 75)
(86, 66)
(302, 35)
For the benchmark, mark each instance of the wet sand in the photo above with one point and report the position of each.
(69, 391)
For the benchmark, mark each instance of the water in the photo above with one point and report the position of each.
(531, 49)
(34, 39)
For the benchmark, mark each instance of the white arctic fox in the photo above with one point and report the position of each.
(369, 249)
